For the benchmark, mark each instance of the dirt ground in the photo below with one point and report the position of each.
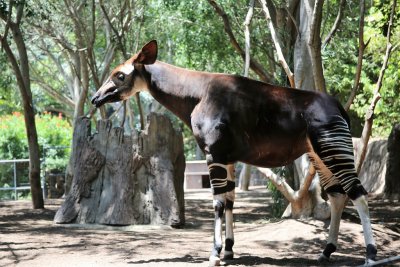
(30, 238)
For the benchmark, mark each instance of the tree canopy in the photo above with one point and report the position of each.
(72, 45)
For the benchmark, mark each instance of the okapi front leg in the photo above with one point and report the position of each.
(219, 206)
(230, 199)
(219, 184)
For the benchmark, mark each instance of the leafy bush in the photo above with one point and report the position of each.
(54, 137)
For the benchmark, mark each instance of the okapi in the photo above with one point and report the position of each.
(234, 118)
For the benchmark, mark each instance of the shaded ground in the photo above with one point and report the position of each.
(29, 237)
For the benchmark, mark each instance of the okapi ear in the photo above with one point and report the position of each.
(148, 54)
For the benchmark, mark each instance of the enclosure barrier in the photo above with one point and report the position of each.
(16, 187)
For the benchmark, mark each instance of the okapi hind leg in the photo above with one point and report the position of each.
(361, 205)
(334, 145)
(336, 196)
(337, 201)
(230, 199)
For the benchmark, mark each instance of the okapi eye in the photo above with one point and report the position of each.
(121, 77)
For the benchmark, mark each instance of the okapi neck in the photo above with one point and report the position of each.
(177, 81)
(178, 89)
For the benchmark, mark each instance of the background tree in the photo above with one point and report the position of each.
(73, 44)
(20, 65)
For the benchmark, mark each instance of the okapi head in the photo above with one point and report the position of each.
(125, 79)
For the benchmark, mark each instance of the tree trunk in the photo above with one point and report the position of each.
(245, 174)
(123, 180)
(21, 71)
(244, 178)
(307, 200)
(314, 45)
(302, 58)
(392, 184)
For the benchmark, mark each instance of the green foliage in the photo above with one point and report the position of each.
(8, 92)
(189, 143)
(344, 49)
(191, 35)
(13, 141)
(186, 32)
(54, 134)
(54, 137)
(7, 179)
(280, 202)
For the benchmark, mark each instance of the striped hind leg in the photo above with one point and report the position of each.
(337, 200)
(361, 205)
(335, 149)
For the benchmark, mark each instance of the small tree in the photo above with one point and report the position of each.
(20, 64)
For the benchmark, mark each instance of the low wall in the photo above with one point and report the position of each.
(373, 171)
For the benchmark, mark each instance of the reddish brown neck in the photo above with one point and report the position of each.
(177, 89)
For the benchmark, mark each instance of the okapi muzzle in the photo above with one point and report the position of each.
(119, 86)
(107, 93)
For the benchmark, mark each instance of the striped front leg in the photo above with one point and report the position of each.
(223, 186)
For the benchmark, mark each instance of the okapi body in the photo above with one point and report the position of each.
(238, 119)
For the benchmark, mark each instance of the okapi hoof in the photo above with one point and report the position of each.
(228, 255)
(371, 252)
(326, 254)
(322, 259)
(369, 262)
(214, 261)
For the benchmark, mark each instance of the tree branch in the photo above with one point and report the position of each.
(254, 65)
(369, 116)
(361, 49)
(108, 57)
(293, 20)
(303, 190)
(314, 44)
(7, 19)
(14, 63)
(336, 24)
(119, 39)
(279, 183)
(20, 12)
(54, 94)
(281, 58)
(246, 23)
(51, 32)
